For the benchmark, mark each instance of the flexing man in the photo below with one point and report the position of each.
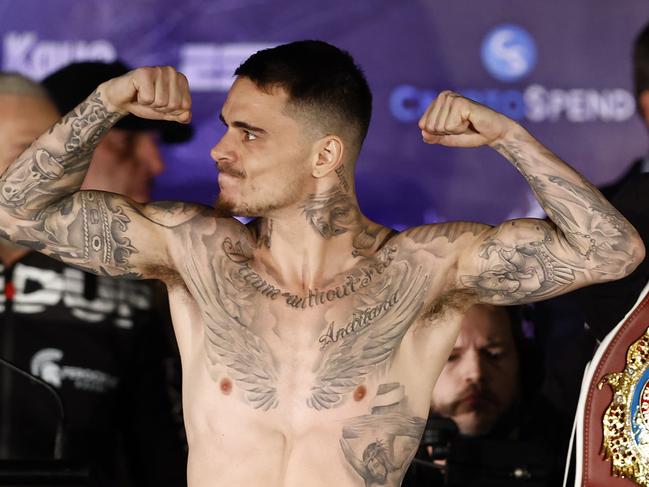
(308, 337)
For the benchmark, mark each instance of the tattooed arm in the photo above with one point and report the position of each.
(588, 240)
(41, 207)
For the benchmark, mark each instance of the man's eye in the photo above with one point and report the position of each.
(453, 357)
(494, 354)
(249, 135)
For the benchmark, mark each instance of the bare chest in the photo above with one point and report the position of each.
(274, 347)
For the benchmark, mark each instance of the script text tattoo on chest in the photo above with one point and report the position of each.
(241, 271)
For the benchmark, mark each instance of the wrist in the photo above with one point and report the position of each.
(511, 132)
(110, 103)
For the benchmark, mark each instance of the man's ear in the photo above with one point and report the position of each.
(643, 104)
(328, 157)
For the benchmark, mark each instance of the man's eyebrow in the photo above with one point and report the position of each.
(243, 125)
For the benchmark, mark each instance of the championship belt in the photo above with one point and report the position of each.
(613, 414)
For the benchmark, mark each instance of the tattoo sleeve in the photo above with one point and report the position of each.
(527, 260)
(42, 206)
(54, 166)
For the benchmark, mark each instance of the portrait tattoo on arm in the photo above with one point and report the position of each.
(520, 272)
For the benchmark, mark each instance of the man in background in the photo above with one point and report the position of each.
(574, 323)
(488, 390)
(480, 382)
(605, 305)
(104, 345)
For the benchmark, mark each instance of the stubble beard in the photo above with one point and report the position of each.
(253, 209)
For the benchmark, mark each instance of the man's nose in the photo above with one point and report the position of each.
(223, 150)
(473, 367)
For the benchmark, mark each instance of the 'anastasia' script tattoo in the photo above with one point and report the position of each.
(360, 320)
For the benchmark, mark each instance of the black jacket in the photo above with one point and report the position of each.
(101, 343)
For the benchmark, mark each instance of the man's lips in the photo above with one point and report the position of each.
(230, 171)
(476, 400)
(227, 178)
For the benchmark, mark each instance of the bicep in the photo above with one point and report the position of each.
(521, 261)
(106, 233)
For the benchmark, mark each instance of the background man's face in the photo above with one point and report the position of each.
(22, 119)
(263, 156)
(125, 162)
(480, 381)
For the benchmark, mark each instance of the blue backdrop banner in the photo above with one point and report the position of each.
(562, 69)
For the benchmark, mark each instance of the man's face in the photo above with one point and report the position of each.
(22, 119)
(263, 157)
(480, 381)
(125, 162)
(377, 469)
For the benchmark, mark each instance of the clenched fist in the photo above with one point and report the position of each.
(455, 121)
(158, 93)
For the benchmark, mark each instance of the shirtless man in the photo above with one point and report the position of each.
(312, 337)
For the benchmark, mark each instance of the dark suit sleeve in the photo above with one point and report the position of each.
(604, 305)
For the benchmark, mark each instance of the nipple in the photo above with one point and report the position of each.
(359, 393)
(226, 386)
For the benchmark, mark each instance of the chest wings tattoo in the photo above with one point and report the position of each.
(230, 342)
(369, 340)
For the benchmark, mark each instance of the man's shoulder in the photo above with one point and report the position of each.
(192, 218)
(443, 232)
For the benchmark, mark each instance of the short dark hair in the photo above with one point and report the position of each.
(641, 62)
(320, 79)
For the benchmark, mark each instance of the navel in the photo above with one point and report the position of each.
(359, 393)
(226, 386)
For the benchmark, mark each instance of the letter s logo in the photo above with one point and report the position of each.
(508, 52)
(44, 365)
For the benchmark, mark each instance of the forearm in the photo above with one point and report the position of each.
(601, 238)
(55, 164)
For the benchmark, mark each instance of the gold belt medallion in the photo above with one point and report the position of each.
(626, 420)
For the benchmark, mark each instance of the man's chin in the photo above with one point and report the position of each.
(475, 424)
(227, 208)
(223, 208)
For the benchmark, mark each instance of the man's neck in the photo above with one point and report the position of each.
(310, 244)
